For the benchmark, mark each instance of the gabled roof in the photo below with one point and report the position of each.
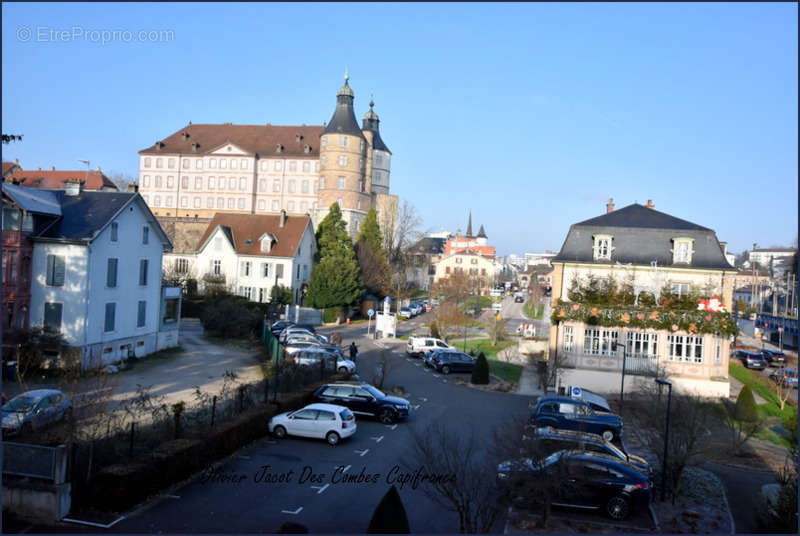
(84, 216)
(429, 245)
(642, 235)
(261, 139)
(239, 228)
(9, 166)
(38, 201)
(56, 179)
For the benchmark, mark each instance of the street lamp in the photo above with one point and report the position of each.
(666, 439)
(615, 346)
(86, 182)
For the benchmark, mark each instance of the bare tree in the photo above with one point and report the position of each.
(782, 387)
(462, 472)
(121, 180)
(172, 276)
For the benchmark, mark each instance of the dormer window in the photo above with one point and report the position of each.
(306, 148)
(279, 148)
(682, 250)
(267, 240)
(602, 247)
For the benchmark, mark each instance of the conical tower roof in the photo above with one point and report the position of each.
(370, 122)
(344, 117)
(469, 224)
(481, 233)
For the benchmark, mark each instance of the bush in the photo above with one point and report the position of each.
(435, 330)
(389, 516)
(330, 314)
(480, 374)
(231, 318)
(746, 410)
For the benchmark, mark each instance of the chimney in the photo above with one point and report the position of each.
(133, 187)
(283, 218)
(650, 204)
(724, 246)
(16, 161)
(52, 168)
(73, 187)
(610, 205)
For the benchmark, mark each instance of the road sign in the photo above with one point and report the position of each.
(575, 392)
(370, 312)
(387, 299)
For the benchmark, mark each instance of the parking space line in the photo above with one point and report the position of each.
(422, 398)
(361, 452)
(299, 509)
(416, 406)
(320, 488)
(444, 381)
(416, 364)
(390, 426)
(377, 439)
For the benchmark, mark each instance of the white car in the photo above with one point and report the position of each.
(324, 421)
(421, 346)
(312, 355)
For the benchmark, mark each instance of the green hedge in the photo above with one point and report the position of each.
(330, 314)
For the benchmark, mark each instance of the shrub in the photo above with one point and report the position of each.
(746, 410)
(389, 516)
(480, 374)
(230, 318)
(435, 330)
(330, 314)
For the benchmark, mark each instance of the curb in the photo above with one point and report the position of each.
(728, 508)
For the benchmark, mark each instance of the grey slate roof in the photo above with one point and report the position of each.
(371, 122)
(344, 117)
(642, 235)
(34, 200)
(84, 215)
(429, 245)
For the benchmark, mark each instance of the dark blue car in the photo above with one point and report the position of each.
(571, 414)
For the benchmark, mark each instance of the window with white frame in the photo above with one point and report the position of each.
(241, 203)
(147, 162)
(234, 163)
(198, 183)
(216, 267)
(244, 163)
(196, 202)
(232, 183)
(171, 163)
(181, 266)
(569, 339)
(642, 344)
(185, 164)
(169, 201)
(340, 183)
(278, 165)
(685, 348)
(242, 183)
(340, 202)
(682, 250)
(324, 160)
(184, 182)
(324, 142)
(159, 163)
(306, 166)
(264, 165)
(210, 202)
(321, 183)
(304, 187)
(316, 166)
(679, 289)
(157, 201)
(342, 160)
(303, 206)
(231, 203)
(198, 164)
(599, 341)
(146, 181)
(158, 181)
(212, 181)
(291, 186)
(262, 205)
(290, 206)
(223, 163)
(275, 205)
(602, 247)
(244, 268)
(184, 201)
(276, 186)
(220, 202)
(212, 163)
(343, 141)
(262, 185)
(264, 269)
(292, 166)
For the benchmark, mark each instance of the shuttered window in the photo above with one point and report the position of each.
(111, 313)
(143, 272)
(111, 273)
(142, 315)
(55, 270)
(52, 315)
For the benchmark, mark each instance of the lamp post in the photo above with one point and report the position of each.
(616, 346)
(87, 170)
(666, 440)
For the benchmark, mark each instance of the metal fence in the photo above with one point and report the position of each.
(36, 461)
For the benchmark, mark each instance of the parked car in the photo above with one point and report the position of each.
(787, 375)
(324, 421)
(447, 362)
(428, 357)
(298, 330)
(519, 299)
(34, 410)
(595, 401)
(751, 359)
(774, 357)
(420, 346)
(591, 480)
(364, 399)
(302, 337)
(405, 312)
(570, 414)
(549, 440)
(279, 326)
(311, 357)
(291, 349)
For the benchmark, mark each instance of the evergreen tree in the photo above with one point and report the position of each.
(389, 516)
(480, 373)
(746, 410)
(371, 257)
(335, 281)
(371, 234)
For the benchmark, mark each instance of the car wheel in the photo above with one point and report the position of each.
(608, 435)
(279, 432)
(386, 416)
(332, 438)
(68, 414)
(617, 508)
(445, 370)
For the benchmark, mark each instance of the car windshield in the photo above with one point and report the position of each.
(21, 404)
(373, 391)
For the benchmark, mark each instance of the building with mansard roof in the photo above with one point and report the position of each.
(204, 169)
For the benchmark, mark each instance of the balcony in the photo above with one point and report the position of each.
(647, 366)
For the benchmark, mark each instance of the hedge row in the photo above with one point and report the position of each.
(118, 487)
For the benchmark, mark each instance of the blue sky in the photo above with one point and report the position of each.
(530, 115)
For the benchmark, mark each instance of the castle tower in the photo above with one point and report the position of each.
(378, 154)
(343, 163)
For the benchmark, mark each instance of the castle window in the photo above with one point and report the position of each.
(292, 166)
(342, 160)
(212, 163)
(276, 186)
(304, 187)
(341, 183)
(343, 141)
(234, 163)
(602, 247)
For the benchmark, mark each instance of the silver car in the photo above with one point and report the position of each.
(34, 410)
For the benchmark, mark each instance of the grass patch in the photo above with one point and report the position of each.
(771, 410)
(534, 311)
(482, 345)
(769, 435)
(507, 371)
(403, 337)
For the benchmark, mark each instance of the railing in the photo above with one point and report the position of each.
(35, 461)
(633, 364)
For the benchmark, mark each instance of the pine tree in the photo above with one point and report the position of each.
(371, 234)
(371, 257)
(480, 373)
(746, 410)
(335, 280)
(389, 516)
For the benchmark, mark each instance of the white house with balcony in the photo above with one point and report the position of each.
(636, 288)
(96, 277)
(251, 254)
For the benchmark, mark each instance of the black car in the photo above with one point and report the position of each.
(586, 480)
(548, 440)
(774, 357)
(428, 358)
(567, 413)
(751, 359)
(364, 399)
(279, 326)
(519, 299)
(447, 362)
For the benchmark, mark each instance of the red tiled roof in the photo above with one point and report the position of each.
(56, 179)
(260, 139)
(7, 166)
(251, 227)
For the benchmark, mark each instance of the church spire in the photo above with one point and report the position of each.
(469, 224)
